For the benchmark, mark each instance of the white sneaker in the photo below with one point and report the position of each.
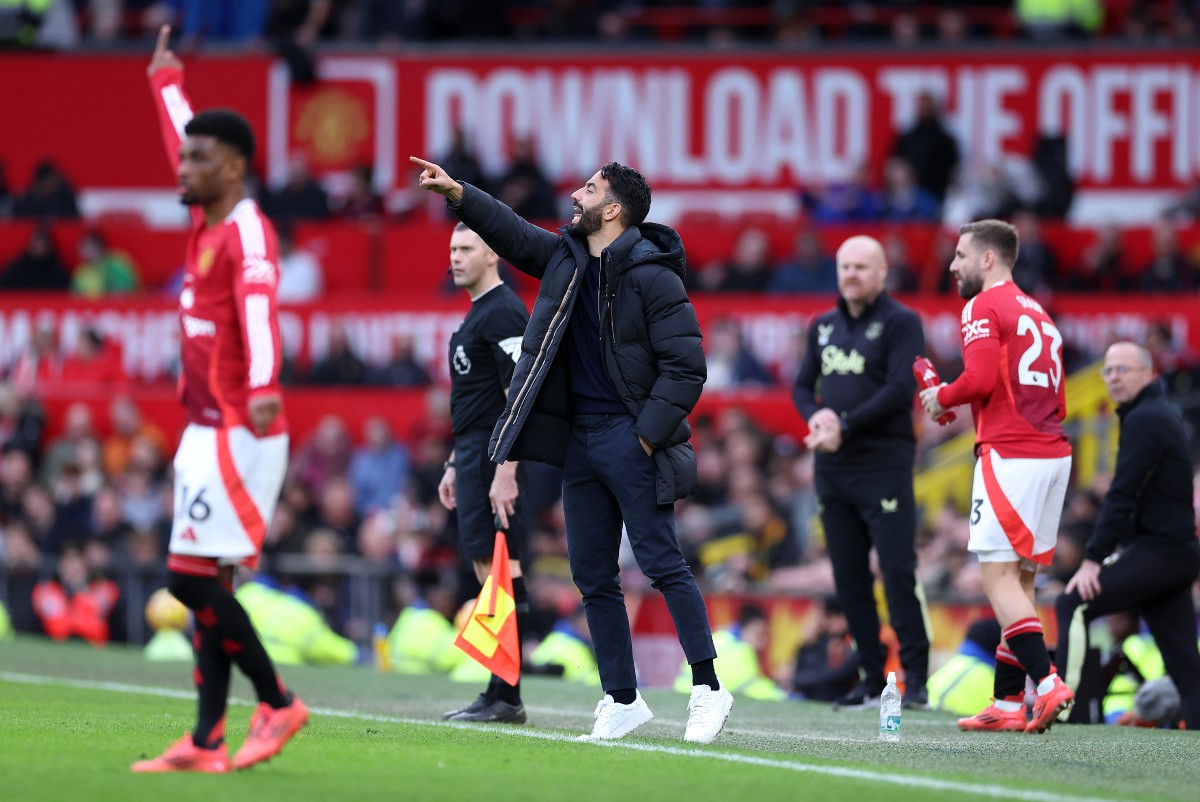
(707, 712)
(616, 721)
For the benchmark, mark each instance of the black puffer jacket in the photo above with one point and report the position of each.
(649, 334)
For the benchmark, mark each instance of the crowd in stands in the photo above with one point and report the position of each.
(924, 187)
(293, 24)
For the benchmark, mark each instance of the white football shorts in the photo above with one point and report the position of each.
(1016, 505)
(227, 482)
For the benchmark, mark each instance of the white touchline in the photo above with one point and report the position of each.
(928, 783)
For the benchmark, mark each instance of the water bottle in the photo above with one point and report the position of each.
(383, 654)
(889, 710)
(927, 376)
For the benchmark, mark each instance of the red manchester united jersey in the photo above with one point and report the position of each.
(1012, 375)
(229, 329)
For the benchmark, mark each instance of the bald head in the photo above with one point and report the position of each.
(861, 272)
(1128, 368)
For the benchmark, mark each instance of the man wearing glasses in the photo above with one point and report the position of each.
(1148, 514)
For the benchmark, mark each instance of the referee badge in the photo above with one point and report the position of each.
(461, 362)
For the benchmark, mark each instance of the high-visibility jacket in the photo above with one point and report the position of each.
(737, 668)
(293, 632)
(1143, 654)
(6, 627)
(566, 647)
(168, 646)
(964, 685)
(422, 642)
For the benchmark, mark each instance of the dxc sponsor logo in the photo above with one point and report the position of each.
(835, 360)
(256, 270)
(198, 327)
(974, 330)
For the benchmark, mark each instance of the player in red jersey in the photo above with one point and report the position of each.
(1013, 379)
(232, 456)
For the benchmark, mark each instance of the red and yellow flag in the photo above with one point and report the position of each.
(490, 633)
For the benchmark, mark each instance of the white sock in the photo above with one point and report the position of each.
(1005, 706)
(1045, 685)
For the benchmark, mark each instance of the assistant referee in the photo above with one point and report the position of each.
(855, 388)
(483, 353)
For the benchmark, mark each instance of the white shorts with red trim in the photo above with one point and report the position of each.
(227, 482)
(1016, 505)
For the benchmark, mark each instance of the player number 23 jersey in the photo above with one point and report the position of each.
(1022, 415)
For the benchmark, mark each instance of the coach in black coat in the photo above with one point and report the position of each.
(611, 365)
(1148, 514)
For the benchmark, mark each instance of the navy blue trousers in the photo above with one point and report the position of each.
(607, 480)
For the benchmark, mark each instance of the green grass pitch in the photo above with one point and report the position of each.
(73, 718)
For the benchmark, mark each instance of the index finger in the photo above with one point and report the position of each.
(164, 38)
(422, 163)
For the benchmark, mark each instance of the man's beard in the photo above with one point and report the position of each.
(969, 287)
(589, 223)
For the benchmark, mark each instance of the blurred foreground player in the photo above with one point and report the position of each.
(232, 456)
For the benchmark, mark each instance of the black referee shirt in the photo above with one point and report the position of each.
(483, 353)
(861, 368)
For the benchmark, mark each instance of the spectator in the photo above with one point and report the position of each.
(403, 369)
(1036, 265)
(300, 197)
(749, 270)
(391, 22)
(340, 366)
(730, 362)
(37, 268)
(49, 196)
(1048, 20)
(461, 161)
(902, 273)
(16, 477)
(903, 199)
(930, 149)
(95, 361)
(325, 455)
(302, 278)
(524, 187)
(1102, 266)
(21, 421)
(847, 201)
(6, 197)
(964, 683)
(1050, 160)
(362, 202)
(127, 428)
(223, 20)
(40, 365)
(808, 270)
(738, 648)
(335, 510)
(378, 469)
(1169, 270)
(77, 428)
(102, 271)
(107, 519)
(826, 664)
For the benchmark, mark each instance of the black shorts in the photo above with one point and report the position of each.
(474, 471)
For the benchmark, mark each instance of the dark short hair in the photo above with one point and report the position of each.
(751, 613)
(227, 127)
(628, 187)
(994, 235)
(461, 226)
